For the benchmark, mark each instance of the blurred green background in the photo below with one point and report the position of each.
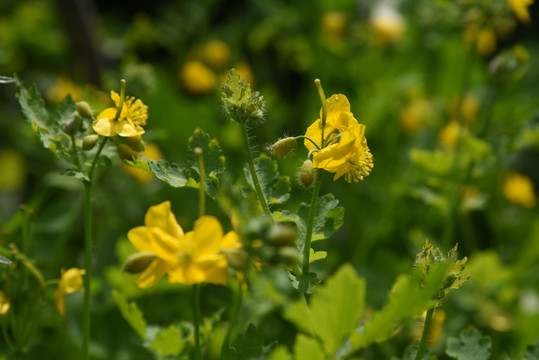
(414, 71)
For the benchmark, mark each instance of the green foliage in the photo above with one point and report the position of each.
(334, 310)
(532, 351)
(167, 342)
(131, 313)
(249, 346)
(240, 103)
(471, 345)
(307, 348)
(276, 188)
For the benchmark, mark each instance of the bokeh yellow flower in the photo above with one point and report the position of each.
(70, 282)
(520, 8)
(61, 88)
(189, 258)
(197, 78)
(132, 117)
(449, 134)
(346, 152)
(389, 26)
(518, 189)
(5, 305)
(12, 170)
(414, 115)
(216, 54)
(333, 27)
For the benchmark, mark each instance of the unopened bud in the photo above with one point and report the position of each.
(306, 173)
(84, 109)
(288, 255)
(89, 142)
(72, 125)
(282, 235)
(135, 143)
(283, 146)
(126, 153)
(237, 258)
(138, 262)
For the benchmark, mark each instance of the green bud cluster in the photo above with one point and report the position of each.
(240, 103)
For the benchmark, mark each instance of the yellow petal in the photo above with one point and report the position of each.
(104, 127)
(215, 269)
(315, 133)
(59, 302)
(4, 304)
(152, 274)
(116, 98)
(71, 280)
(162, 217)
(231, 241)
(126, 128)
(336, 104)
(140, 238)
(164, 245)
(208, 236)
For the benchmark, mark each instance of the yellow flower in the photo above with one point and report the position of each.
(4, 304)
(132, 117)
(413, 116)
(518, 189)
(189, 258)
(346, 151)
(486, 42)
(61, 88)
(70, 282)
(389, 26)
(216, 53)
(333, 26)
(449, 134)
(520, 8)
(197, 78)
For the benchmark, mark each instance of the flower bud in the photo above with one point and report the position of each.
(282, 235)
(237, 258)
(125, 152)
(306, 173)
(72, 125)
(138, 262)
(288, 255)
(89, 142)
(135, 143)
(283, 146)
(84, 109)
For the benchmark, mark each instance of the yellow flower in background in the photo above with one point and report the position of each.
(346, 153)
(61, 88)
(486, 42)
(216, 54)
(449, 134)
(144, 176)
(189, 258)
(70, 282)
(197, 78)
(520, 8)
(132, 117)
(12, 170)
(389, 26)
(413, 117)
(518, 189)
(245, 72)
(333, 26)
(5, 305)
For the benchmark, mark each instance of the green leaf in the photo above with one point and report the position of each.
(328, 219)
(307, 348)
(276, 188)
(168, 342)
(240, 103)
(470, 346)
(335, 309)
(250, 346)
(77, 174)
(280, 353)
(304, 282)
(317, 255)
(532, 351)
(131, 313)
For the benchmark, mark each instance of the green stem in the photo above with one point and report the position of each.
(324, 106)
(234, 315)
(308, 138)
(196, 312)
(310, 221)
(96, 157)
(122, 99)
(256, 182)
(425, 335)
(202, 188)
(87, 266)
(74, 152)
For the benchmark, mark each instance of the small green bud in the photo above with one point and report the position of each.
(72, 126)
(135, 143)
(288, 255)
(84, 109)
(283, 146)
(282, 235)
(125, 152)
(306, 173)
(138, 262)
(89, 142)
(237, 258)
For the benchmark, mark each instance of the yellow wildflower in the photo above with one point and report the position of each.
(389, 26)
(61, 88)
(4, 304)
(132, 117)
(486, 42)
(345, 152)
(518, 189)
(333, 26)
(449, 134)
(413, 116)
(189, 258)
(70, 282)
(216, 53)
(197, 78)
(520, 8)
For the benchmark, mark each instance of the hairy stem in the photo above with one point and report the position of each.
(425, 335)
(310, 222)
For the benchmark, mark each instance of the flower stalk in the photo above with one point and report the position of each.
(310, 222)
(424, 337)
(196, 320)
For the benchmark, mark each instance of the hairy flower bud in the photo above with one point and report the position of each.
(288, 255)
(72, 126)
(138, 262)
(283, 146)
(237, 258)
(306, 173)
(84, 109)
(89, 142)
(282, 235)
(135, 143)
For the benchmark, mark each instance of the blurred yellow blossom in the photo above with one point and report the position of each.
(449, 134)
(132, 117)
(61, 88)
(389, 26)
(518, 189)
(482, 39)
(4, 304)
(12, 170)
(143, 176)
(520, 8)
(469, 108)
(70, 282)
(414, 115)
(333, 26)
(245, 72)
(216, 54)
(197, 78)
(344, 151)
(189, 258)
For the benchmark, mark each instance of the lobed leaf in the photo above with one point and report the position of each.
(131, 313)
(276, 188)
(469, 346)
